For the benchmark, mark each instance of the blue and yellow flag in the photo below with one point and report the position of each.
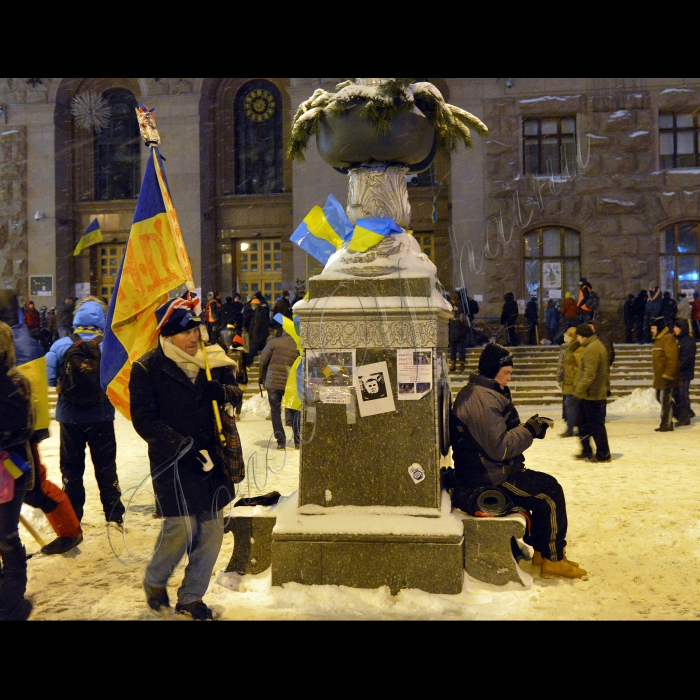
(155, 263)
(92, 236)
(324, 231)
(15, 466)
(294, 390)
(371, 232)
(435, 210)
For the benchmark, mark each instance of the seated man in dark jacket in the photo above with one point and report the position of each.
(489, 443)
(171, 403)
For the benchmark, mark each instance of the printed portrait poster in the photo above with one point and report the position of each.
(415, 374)
(374, 393)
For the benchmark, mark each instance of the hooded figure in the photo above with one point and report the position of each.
(16, 428)
(509, 318)
(687, 353)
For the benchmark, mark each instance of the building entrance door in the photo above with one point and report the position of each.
(109, 258)
(259, 267)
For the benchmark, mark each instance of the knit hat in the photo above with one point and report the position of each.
(585, 331)
(177, 316)
(255, 301)
(493, 359)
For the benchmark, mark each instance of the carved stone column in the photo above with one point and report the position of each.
(379, 192)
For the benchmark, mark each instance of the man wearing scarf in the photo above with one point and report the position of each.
(172, 410)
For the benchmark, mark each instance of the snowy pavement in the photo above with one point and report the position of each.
(634, 525)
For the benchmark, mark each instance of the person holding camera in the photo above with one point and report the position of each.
(489, 443)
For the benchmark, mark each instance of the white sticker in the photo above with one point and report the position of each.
(417, 473)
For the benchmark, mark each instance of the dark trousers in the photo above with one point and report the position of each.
(275, 398)
(13, 573)
(542, 495)
(532, 335)
(592, 427)
(9, 518)
(666, 400)
(629, 333)
(571, 413)
(681, 399)
(512, 335)
(254, 349)
(696, 331)
(458, 349)
(103, 450)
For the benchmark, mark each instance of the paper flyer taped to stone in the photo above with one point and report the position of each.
(374, 393)
(415, 374)
(329, 375)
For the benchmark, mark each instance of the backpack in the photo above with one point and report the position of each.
(79, 382)
(593, 302)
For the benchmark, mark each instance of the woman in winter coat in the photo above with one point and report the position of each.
(509, 319)
(171, 405)
(276, 362)
(17, 419)
(687, 353)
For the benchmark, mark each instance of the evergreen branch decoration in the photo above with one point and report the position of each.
(91, 112)
(381, 105)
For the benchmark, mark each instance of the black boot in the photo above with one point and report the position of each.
(13, 606)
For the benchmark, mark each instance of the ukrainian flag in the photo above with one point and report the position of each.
(92, 236)
(324, 231)
(16, 466)
(371, 232)
(435, 210)
(155, 263)
(294, 390)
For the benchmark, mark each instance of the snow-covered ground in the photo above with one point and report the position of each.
(634, 525)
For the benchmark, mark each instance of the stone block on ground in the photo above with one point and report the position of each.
(252, 534)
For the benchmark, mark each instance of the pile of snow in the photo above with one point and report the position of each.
(257, 408)
(639, 402)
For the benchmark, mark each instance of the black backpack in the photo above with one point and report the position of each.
(593, 302)
(80, 373)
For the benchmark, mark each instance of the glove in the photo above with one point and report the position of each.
(539, 427)
(213, 391)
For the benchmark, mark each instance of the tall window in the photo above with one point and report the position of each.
(260, 268)
(550, 146)
(117, 150)
(679, 140)
(552, 263)
(259, 139)
(680, 257)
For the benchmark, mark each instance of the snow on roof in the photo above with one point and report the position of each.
(670, 90)
(550, 98)
(637, 134)
(621, 202)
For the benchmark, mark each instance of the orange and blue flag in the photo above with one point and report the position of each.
(155, 263)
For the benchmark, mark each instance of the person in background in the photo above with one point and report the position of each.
(532, 318)
(591, 389)
(227, 315)
(630, 318)
(17, 419)
(585, 311)
(640, 312)
(683, 312)
(32, 319)
(669, 309)
(277, 359)
(687, 353)
(653, 309)
(569, 311)
(283, 306)
(666, 373)
(259, 328)
(212, 311)
(459, 335)
(569, 362)
(237, 311)
(65, 317)
(553, 319)
(84, 412)
(695, 316)
(53, 326)
(171, 404)
(509, 319)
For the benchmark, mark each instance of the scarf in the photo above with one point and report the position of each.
(192, 366)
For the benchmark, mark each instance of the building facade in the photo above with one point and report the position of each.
(594, 177)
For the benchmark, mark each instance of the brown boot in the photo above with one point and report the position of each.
(453, 366)
(538, 561)
(561, 569)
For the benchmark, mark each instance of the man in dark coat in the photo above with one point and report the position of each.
(532, 317)
(640, 312)
(630, 318)
(259, 329)
(283, 306)
(509, 319)
(669, 309)
(459, 338)
(489, 442)
(277, 359)
(172, 410)
(237, 313)
(65, 317)
(687, 353)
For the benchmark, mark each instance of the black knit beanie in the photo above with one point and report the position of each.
(585, 331)
(494, 358)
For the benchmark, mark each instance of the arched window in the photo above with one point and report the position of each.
(259, 144)
(680, 257)
(117, 150)
(552, 263)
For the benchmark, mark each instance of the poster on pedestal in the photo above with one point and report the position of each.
(415, 374)
(329, 375)
(374, 393)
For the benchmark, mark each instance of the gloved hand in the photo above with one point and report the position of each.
(213, 391)
(539, 427)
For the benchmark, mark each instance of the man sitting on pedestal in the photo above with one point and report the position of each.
(488, 444)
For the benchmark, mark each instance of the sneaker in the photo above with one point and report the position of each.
(62, 545)
(198, 611)
(561, 569)
(601, 460)
(157, 599)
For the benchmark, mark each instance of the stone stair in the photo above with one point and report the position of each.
(535, 376)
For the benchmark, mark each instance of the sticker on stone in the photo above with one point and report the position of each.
(417, 473)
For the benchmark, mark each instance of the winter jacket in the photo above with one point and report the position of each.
(65, 316)
(458, 330)
(687, 354)
(669, 309)
(277, 359)
(247, 316)
(553, 317)
(532, 313)
(570, 309)
(26, 348)
(695, 311)
(488, 439)
(683, 311)
(654, 302)
(666, 361)
(227, 317)
(630, 312)
(592, 381)
(572, 362)
(90, 321)
(166, 408)
(640, 306)
(511, 311)
(260, 325)
(284, 307)
(584, 294)
(32, 318)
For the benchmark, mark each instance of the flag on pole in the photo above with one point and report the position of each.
(155, 263)
(92, 236)
(323, 231)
